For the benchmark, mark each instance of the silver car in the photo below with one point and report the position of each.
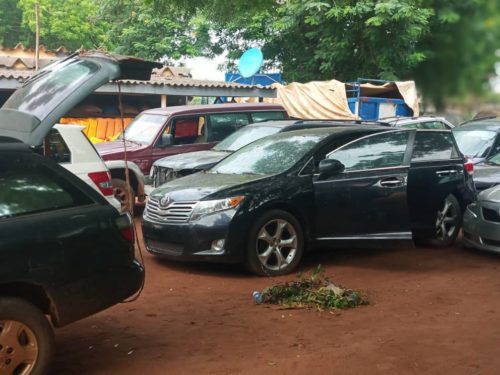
(481, 226)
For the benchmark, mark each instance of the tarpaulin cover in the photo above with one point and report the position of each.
(328, 99)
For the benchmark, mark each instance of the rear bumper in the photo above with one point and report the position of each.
(88, 296)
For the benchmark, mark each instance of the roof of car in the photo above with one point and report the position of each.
(214, 108)
(336, 130)
(492, 123)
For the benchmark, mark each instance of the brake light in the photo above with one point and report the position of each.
(124, 224)
(103, 182)
(469, 167)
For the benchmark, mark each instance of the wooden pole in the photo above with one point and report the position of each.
(37, 35)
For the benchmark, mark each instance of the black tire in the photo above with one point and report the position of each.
(24, 316)
(125, 196)
(291, 231)
(447, 234)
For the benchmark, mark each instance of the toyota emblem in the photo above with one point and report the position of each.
(165, 201)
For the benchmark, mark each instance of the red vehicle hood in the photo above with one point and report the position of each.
(108, 150)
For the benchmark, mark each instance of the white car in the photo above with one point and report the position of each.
(68, 146)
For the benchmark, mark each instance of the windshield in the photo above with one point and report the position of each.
(270, 155)
(474, 143)
(245, 136)
(44, 91)
(144, 128)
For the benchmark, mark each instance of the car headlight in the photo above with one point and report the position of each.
(203, 208)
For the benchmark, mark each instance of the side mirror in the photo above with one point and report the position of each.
(167, 140)
(330, 167)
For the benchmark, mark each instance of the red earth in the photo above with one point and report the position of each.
(431, 312)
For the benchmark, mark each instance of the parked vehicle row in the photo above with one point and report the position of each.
(268, 192)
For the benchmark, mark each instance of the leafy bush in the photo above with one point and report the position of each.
(315, 290)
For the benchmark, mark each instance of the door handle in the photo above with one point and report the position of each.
(447, 172)
(391, 182)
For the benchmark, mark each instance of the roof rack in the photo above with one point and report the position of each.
(364, 122)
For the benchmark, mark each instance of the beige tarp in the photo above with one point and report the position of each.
(328, 100)
(314, 100)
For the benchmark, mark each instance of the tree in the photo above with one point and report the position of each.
(138, 28)
(11, 31)
(68, 23)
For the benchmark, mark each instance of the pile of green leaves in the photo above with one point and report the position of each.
(314, 290)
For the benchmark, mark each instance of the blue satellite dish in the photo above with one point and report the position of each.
(250, 62)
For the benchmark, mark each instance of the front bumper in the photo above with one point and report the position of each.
(478, 232)
(192, 241)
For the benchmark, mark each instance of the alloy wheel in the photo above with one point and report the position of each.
(18, 348)
(446, 221)
(276, 244)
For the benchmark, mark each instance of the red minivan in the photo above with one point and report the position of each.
(160, 132)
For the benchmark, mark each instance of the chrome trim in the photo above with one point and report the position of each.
(175, 212)
(405, 167)
(374, 236)
(305, 165)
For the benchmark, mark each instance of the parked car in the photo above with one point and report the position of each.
(265, 203)
(479, 139)
(422, 122)
(65, 252)
(171, 167)
(161, 132)
(487, 173)
(481, 228)
(68, 146)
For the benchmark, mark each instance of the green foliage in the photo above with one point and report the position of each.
(136, 28)
(68, 23)
(11, 31)
(316, 290)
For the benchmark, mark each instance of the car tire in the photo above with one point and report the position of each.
(448, 223)
(30, 350)
(275, 244)
(125, 196)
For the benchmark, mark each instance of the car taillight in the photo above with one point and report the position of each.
(469, 167)
(124, 224)
(103, 182)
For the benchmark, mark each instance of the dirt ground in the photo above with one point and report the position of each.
(431, 312)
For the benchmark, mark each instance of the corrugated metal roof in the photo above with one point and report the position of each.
(22, 75)
(18, 64)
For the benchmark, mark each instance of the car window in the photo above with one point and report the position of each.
(474, 143)
(433, 146)
(264, 116)
(245, 136)
(144, 128)
(270, 155)
(432, 125)
(27, 186)
(224, 124)
(187, 130)
(425, 125)
(56, 149)
(376, 151)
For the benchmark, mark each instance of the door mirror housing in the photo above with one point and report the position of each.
(167, 140)
(330, 167)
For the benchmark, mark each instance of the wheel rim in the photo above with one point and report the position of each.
(276, 244)
(446, 221)
(18, 348)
